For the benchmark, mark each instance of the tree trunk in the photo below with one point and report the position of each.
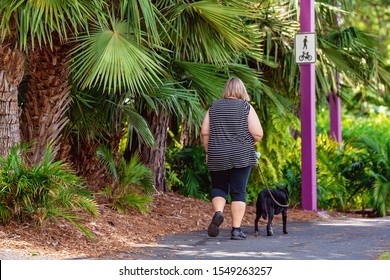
(11, 74)
(47, 100)
(155, 157)
(187, 135)
(87, 165)
(82, 155)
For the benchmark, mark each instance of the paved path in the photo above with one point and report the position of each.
(335, 239)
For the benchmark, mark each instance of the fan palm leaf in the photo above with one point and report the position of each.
(206, 31)
(35, 21)
(109, 57)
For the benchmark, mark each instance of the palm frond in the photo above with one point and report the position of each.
(38, 20)
(191, 185)
(42, 190)
(130, 177)
(73, 219)
(142, 12)
(105, 156)
(110, 58)
(207, 80)
(135, 173)
(206, 31)
(140, 202)
(138, 123)
(380, 198)
(352, 53)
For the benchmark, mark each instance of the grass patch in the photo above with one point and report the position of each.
(385, 256)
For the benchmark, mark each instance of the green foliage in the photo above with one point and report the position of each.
(277, 148)
(371, 133)
(378, 155)
(187, 171)
(355, 176)
(41, 191)
(38, 21)
(111, 43)
(374, 16)
(292, 177)
(336, 169)
(132, 184)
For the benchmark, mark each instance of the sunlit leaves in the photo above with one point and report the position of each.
(109, 57)
(35, 22)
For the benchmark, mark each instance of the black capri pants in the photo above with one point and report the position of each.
(232, 181)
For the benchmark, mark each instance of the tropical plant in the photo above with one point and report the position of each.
(40, 30)
(188, 171)
(123, 42)
(132, 183)
(44, 190)
(354, 174)
(378, 154)
(380, 195)
(334, 167)
(188, 48)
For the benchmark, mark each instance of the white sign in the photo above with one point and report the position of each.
(305, 48)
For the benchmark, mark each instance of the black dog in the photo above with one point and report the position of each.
(269, 203)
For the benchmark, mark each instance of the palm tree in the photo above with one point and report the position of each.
(11, 74)
(164, 60)
(118, 60)
(206, 40)
(194, 40)
(40, 30)
(342, 49)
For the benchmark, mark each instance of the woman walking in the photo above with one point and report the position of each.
(229, 132)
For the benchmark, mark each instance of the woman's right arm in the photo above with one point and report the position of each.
(205, 131)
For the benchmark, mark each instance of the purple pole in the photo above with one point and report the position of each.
(308, 121)
(335, 115)
(335, 107)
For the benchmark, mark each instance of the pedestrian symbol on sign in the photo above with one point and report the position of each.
(305, 48)
(305, 43)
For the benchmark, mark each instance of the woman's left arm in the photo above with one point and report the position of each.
(254, 125)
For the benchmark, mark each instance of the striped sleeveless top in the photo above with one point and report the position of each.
(230, 143)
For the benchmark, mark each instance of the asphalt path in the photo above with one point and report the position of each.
(332, 239)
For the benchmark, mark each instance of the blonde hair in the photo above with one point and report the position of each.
(235, 88)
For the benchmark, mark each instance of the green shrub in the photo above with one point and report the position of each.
(41, 191)
(132, 184)
(355, 176)
(187, 171)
